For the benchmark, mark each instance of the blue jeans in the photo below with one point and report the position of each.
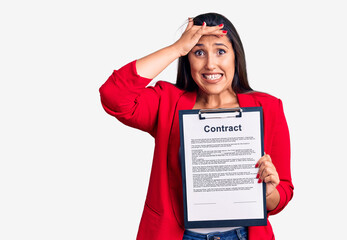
(237, 234)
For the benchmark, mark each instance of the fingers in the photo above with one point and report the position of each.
(265, 158)
(265, 167)
(267, 171)
(199, 31)
(190, 24)
(211, 30)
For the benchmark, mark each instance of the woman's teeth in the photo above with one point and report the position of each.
(212, 76)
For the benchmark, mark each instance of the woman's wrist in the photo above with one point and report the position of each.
(272, 200)
(174, 50)
(179, 51)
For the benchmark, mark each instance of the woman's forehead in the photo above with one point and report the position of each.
(213, 40)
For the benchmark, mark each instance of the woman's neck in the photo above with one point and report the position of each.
(226, 99)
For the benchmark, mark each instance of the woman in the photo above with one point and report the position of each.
(211, 74)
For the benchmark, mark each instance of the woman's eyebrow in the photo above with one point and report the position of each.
(221, 44)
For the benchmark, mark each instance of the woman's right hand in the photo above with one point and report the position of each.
(193, 33)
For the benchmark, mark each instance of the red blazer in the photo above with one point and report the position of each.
(155, 110)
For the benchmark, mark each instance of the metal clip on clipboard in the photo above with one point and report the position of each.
(216, 113)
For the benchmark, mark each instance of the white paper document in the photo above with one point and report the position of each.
(220, 184)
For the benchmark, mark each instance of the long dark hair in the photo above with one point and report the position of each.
(240, 82)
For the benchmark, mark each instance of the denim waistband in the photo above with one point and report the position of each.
(240, 233)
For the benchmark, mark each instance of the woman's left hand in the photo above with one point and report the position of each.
(267, 173)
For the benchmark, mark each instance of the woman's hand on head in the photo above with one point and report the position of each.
(193, 33)
(267, 173)
(153, 64)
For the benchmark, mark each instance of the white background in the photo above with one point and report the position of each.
(70, 171)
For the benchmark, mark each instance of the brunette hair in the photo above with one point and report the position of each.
(240, 82)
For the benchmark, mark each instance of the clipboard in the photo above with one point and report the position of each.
(218, 151)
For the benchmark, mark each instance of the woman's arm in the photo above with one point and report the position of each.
(272, 200)
(125, 95)
(267, 173)
(280, 154)
(275, 170)
(153, 64)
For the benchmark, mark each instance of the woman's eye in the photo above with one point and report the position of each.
(199, 53)
(221, 51)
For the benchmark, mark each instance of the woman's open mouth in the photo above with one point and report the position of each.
(212, 78)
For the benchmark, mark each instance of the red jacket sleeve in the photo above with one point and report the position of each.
(125, 96)
(280, 155)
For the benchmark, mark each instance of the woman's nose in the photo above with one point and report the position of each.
(210, 62)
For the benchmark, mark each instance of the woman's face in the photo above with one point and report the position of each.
(212, 64)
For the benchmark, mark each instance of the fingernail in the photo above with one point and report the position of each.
(256, 165)
(259, 181)
(221, 25)
(203, 24)
(257, 176)
(225, 31)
